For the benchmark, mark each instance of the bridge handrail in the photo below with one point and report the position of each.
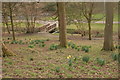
(51, 27)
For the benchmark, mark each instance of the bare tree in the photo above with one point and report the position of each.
(30, 13)
(62, 23)
(87, 9)
(5, 14)
(75, 17)
(108, 31)
(11, 8)
(119, 24)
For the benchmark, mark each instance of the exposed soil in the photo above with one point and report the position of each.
(41, 62)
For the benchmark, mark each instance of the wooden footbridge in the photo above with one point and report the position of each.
(48, 27)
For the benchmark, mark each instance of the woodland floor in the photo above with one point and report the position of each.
(40, 62)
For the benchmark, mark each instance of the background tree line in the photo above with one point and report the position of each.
(66, 13)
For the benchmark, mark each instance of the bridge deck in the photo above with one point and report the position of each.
(48, 27)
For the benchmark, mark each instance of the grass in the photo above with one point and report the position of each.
(99, 16)
(47, 62)
(94, 26)
(22, 24)
(50, 18)
(41, 62)
(96, 16)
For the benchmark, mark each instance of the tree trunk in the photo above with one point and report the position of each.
(62, 24)
(27, 25)
(7, 27)
(3, 29)
(34, 24)
(11, 18)
(6, 23)
(108, 31)
(119, 33)
(6, 51)
(89, 25)
(119, 23)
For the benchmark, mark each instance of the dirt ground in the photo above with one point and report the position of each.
(41, 62)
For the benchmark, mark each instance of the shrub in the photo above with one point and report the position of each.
(75, 59)
(78, 49)
(99, 35)
(31, 42)
(41, 45)
(10, 63)
(89, 46)
(73, 46)
(86, 59)
(53, 47)
(40, 41)
(31, 59)
(57, 69)
(6, 42)
(20, 42)
(119, 57)
(31, 46)
(85, 48)
(70, 44)
(14, 42)
(70, 31)
(100, 61)
(117, 46)
(70, 62)
(115, 57)
(36, 41)
(47, 39)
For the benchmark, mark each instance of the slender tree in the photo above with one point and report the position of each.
(119, 33)
(5, 16)
(30, 12)
(5, 22)
(62, 23)
(119, 23)
(108, 31)
(87, 10)
(11, 5)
